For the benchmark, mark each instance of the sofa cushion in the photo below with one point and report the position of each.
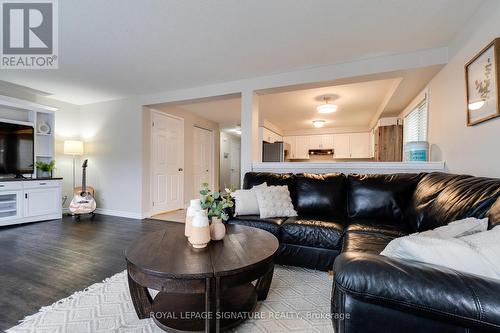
(271, 225)
(441, 198)
(366, 242)
(383, 197)
(321, 194)
(377, 226)
(312, 232)
(252, 179)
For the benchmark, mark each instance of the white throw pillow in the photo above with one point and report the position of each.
(245, 201)
(476, 253)
(275, 201)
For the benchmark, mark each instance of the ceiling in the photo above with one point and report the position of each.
(225, 111)
(116, 48)
(359, 102)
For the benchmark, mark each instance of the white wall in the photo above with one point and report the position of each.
(472, 150)
(112, 132)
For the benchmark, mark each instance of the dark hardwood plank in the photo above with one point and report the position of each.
(43, 262)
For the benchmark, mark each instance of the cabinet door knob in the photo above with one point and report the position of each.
(180, 169)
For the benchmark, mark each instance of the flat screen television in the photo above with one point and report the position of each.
(16, 149)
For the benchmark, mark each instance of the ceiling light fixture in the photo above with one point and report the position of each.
(476, 105)
(327, 107)
(318, 123)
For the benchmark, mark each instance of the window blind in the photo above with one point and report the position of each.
(415, 123)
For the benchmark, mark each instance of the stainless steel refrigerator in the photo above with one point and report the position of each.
(275, 152)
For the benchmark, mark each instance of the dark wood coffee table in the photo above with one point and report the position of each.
(200, 289)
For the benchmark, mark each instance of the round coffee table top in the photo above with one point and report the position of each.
(167, 254)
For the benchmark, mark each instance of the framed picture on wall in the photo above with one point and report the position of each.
(482, 78)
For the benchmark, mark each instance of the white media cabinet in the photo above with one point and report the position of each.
(30, 200)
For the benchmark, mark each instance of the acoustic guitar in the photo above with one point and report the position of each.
(83, 200)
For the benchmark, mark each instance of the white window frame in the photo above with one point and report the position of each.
(421, 106)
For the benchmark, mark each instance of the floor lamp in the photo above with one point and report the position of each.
(74, 148)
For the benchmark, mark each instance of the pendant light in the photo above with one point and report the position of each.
(327, 107)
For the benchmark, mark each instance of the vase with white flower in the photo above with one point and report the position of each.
(216, 203)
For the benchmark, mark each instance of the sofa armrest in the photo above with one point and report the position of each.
(423, 289)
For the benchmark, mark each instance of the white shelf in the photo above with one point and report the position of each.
(13, 210)
(7, 202)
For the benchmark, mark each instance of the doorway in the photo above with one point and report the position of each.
(230, 154)
(203, 158)
(167, 162)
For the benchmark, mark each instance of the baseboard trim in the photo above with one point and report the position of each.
(119, 213)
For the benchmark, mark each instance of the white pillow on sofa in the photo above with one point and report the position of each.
(275, 201)
(245, 201)
(475, 253)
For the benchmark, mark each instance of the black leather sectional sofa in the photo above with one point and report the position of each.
(344, 222)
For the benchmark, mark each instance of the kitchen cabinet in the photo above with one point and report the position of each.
(299, 146)
(360, 145)
(352, 145)
(323, 141)
(341, 146)
(270, 136)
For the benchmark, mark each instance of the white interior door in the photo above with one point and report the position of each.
(235, 157)
(167, 156)
(203, 158)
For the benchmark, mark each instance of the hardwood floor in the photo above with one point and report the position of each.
(46, 261)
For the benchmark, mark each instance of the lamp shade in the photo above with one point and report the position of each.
(73, 147)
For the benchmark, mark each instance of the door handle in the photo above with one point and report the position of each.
(180, 169)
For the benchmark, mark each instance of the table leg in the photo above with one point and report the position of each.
(264, 283)
(140, 298)
(212, 305)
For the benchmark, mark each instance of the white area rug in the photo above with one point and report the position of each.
(299, 301)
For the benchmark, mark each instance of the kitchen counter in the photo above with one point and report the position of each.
(350, 167)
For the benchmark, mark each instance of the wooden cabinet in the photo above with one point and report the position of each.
(388, 143)
(323, 141)
(299, 146)
(352, 145)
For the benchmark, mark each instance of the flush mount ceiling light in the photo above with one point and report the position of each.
(327, 107)
(318, 123)
(476, 105)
